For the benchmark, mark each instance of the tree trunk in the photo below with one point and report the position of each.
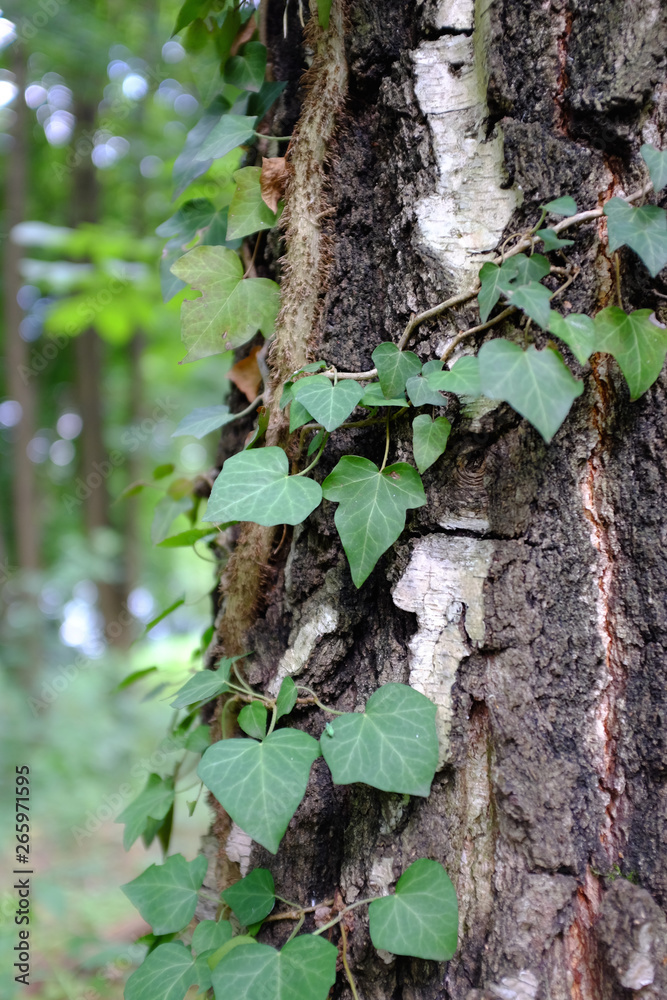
(527, 597)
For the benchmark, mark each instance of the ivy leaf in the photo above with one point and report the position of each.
(166, 973)
(205, 685)
(247, 69)
(189, 165)
(248, 212)
(189, 12)
(329, 404)
(373, 396)
(186, 538)
(421, 394)
(535, 300)
(166, 895)
(643, 229)
(153, 802)
(298, 416)
(260, 785)
(253, 719)
(562, 206)
(394, 368)
(269, 92)
(530, 269)
(392, 745)
(316, 442)
(537, 384)
(429, 439)
(210, 935)
(229, 132)
(421, 919)
(203, 420)
(638, 345)
(253, 897)
(231, 309)
(551, 240)
(432, 366)
(463, 379)
(304, 969)
(256, 486)
(165, 513)
(577, 331)
(198, 740)
(287, 697)
(495, 281)
(372, 508)
(656, 161)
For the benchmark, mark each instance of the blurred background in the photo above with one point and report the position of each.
(95, 102)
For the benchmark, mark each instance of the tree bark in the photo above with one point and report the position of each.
(527, 598)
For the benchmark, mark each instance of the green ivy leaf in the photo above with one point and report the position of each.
(562, 206)
(529, 269)
(287, 697)
(191, 217)
(231, 309)
(165, 513)
(256, 486)
(253, 897)
(189, 12)
(166, 895)
(535, 300)
(316, 442)
(166, 973)
(329, 404)
(537, 384)
(203, 420)
(551, 240)
(136, 675)
(298, 416)
(229, 132)
(153, 802)
(210, 935)
(656, 161)
(247, 69)
(577, 331)
(248, 212)
(372, 508)
(421, 919)
(253, 719)
(432, 366)
(324, 13)
(421, 394)
(643, 229)
(260, 785)
(394, 368)
(188, 166)
(393, 745)
(304, 969)
(373, 396)
(186, 538)
(429, 439)
(463, 379)
(495, 281)
(638, 345)
(205, 685)
(269, 92)
(198, 740)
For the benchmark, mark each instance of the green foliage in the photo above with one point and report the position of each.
(373, 397)
(561, 206)
(203, 686)
(429, 439)
(287, 697)
(203, 420)
(185, 539)
(638, 345)
(209, 935)
(463, 379)
(537, 384)
(256, 486)
(643, 229)
(166, 895)
(372, 508)
(324, 12)
(153, 803)
(304, 969)
(421, 394)
(253, 897)
(329, 404)
(575, 330)
(394, 368)
(166, 974)
(246, 70)
(535, 300)
(253, 719)
(656, 161)
(228, 133)
(248, 213)
(551, 240)
(421, 918)
(260, 785)
(393, 745)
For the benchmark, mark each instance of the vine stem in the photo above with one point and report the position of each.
(331, 711)
(386, 447)
(339, 916)
(297, 912)
(317, 457)
(348, 970)
(453, 344)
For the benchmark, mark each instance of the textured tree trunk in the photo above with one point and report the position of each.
(527, 599)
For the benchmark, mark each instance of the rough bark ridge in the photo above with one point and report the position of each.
(527, 598)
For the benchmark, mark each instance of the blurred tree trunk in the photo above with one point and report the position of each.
(527, 598)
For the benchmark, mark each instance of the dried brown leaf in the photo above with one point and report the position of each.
(273, 180)
(246, 375)
(244, 35)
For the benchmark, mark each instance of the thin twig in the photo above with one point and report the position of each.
(252, 259)
(617, 263)
(476, 329)
(415, 321)
(295, 914)
(348, 971)
(386, 448)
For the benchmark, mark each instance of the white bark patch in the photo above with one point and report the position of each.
(444, 586)
(382, 875)
(238, 848)
(319, 621)
(523, 986)
(468, 210)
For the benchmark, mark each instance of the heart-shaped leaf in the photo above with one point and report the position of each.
(256, 486)
(247, 69)
(374, 396)
(537, 384)
(304, 969)
(372, 508)
(643, 229)
(204, 686)
(253, 720)
(421, 394)
(562, 206)
(329, 404)
(210, 935)
(495, 281)
(231, 309)
(230, 131)
(463, 379)
(260, 784)
(535, 300)
(529, 269)
(166, 973)
(638, 345)
(248, 212)
(551, 240)
(656, 161)
(421, 919)
(166, 895)
(577, 331)
(393, 745)
(429, 439)
(253, 897)
(184, 539)
(287, 697)
(298, 416)
(394, 368)
(152, 803)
